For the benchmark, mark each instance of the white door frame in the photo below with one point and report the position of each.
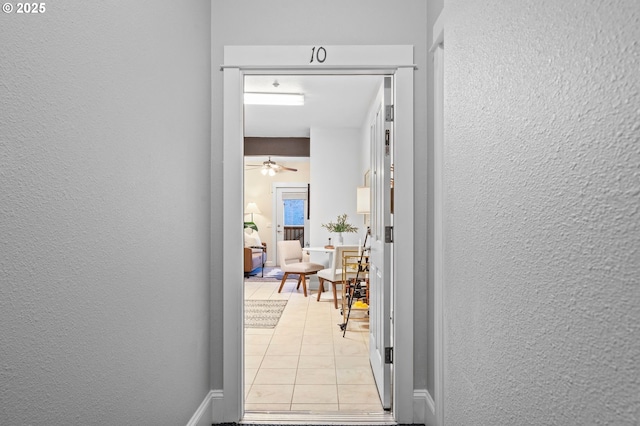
(241, 60)
(437, 49)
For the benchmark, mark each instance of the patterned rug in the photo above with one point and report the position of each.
(270, 274)
(263, 313)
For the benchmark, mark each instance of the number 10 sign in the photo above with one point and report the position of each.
(318, 56)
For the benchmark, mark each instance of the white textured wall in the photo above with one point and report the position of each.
(330, 22)
(104, 213)
(542, 212)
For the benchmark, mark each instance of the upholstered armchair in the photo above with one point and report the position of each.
(255, 252)
(290, 259)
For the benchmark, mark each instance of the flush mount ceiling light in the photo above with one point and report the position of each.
(274, 99)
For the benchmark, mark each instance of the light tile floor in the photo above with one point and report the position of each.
(304, 364)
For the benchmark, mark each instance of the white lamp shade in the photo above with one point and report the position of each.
(252, 208)
(363, 200)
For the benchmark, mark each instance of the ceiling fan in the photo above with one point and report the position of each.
(270, 167)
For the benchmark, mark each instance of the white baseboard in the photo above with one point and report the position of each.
(217, 403)
(205, 412)
(424, 409)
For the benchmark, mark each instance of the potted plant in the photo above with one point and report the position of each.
(339, 226)
(251, 225)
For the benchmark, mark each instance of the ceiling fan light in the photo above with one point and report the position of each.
(273, 98)
(272, 172)
(264, 171)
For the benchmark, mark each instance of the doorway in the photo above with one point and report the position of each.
(292, 217)
(395, 64)
(305, 363)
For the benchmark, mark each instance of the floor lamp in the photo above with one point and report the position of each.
(252, 208)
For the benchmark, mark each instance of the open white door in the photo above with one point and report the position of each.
(380, 274)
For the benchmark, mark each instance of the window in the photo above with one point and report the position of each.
(293, 212)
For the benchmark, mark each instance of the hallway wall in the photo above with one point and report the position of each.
(542, 230)
(104, 213)
(330, 22)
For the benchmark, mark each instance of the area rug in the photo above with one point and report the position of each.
(263, 313)
(270, 274)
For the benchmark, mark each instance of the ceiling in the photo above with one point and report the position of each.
(330, 101)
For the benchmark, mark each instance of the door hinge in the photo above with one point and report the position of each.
(388, 113)
(388, 234)
(388, 355)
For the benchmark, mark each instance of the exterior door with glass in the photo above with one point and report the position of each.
(291, 215)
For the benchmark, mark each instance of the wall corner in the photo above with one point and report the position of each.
(424, 408)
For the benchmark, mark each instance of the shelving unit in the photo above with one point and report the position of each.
(356, 285)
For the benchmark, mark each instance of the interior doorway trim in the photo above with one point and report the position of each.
(241, 60)
(437, 49)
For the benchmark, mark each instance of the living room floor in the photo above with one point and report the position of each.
(304, 363)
